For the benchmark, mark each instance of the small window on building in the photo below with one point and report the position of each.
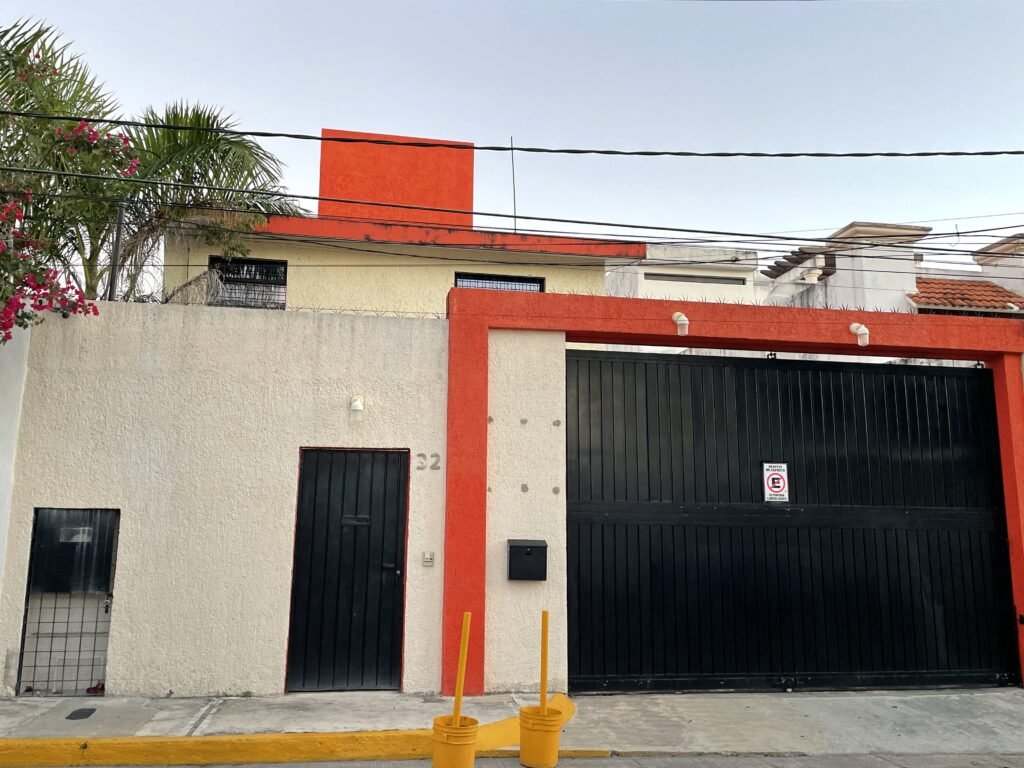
(500, 282)
(258, 283)
(670, 278)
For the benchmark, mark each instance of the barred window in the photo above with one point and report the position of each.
(499, 282)
(258, 283)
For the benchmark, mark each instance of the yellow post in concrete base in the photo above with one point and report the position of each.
(454, 735)
(540, 728)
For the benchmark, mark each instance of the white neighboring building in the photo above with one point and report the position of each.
(689, 273)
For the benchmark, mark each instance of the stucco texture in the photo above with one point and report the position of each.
(525, 500)
(189, 420)
(13, 365)
(334, 277)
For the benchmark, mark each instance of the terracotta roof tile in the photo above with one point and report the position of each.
(964, 294)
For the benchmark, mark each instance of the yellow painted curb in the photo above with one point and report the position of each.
(240, 749)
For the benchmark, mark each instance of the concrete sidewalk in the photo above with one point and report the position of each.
(981, 722)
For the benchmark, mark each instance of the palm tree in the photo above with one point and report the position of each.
(198, 164)
(179, 183)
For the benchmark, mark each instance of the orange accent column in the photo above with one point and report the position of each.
(465, 527)
(1009, 386)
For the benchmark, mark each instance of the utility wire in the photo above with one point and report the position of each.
(285, 195)
(193, 227)
(584, 239)
(460, 146)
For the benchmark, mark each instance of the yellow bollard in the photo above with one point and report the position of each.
(540, 728)
(455, 735)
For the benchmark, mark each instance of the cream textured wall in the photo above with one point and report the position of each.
(525, 500)
(190, 420)
(13, 365)
(333, 277)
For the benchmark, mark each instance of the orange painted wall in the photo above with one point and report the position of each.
(473, 313)
(435, 177)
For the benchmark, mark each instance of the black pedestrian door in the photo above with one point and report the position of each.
(347, 589)
(887, 566)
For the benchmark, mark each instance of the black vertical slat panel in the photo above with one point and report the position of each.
(330, 468)
(375, 582)
(622, 598)
(572, 597)
(878, 599)
(572, 430)
(887, 567)
(642, 432)
(896, 613)
(670, 610)
(586, 656)
(295, 677)
(658, 607)
(674, 434)
(611, 608)
(317, 572)
(607, 420)
(630, 431)
(665, 436)
(349, 511)
(700, 431)
(361, 567)
(653, 433)
(389, 647)
(597, 579)
(815, 405)
(879, 436)
(347, 613)
(583, 427)
(721, 408)
(618, 431)
(683, 659)
(709, 405)
(957, 442)
(597, 437)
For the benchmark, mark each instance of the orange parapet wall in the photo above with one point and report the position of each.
(433, 177)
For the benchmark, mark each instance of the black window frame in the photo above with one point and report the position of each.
(256, 284)
(539, 283)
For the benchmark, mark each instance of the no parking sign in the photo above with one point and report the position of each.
(776, 482)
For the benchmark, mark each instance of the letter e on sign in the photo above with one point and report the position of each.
(776, 482)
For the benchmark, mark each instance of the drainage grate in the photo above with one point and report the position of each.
(81, 714)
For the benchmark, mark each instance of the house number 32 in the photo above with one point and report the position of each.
(433, 461)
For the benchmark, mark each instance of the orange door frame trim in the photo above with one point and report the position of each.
(473, 313)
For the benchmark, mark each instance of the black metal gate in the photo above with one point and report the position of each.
(887, 567)
(68, 602)
(347, 590)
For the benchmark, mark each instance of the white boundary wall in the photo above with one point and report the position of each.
(525, 500)
(189, 420)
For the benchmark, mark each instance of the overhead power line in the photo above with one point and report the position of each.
(461, 146)
(745, 242)
(428, 260)
(546, 219)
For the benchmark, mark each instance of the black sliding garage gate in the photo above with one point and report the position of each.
(887, 567)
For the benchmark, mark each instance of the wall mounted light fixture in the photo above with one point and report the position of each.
(682, 323)
(357, 408)
(861, 332)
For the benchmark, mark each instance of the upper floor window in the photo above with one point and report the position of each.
(258, 283)
(499, 282)
(671, 278)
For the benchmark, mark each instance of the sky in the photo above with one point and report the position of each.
(771, 75)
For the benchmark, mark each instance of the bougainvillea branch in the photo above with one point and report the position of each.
(28, 288)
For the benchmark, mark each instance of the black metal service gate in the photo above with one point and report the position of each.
(887, 567)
